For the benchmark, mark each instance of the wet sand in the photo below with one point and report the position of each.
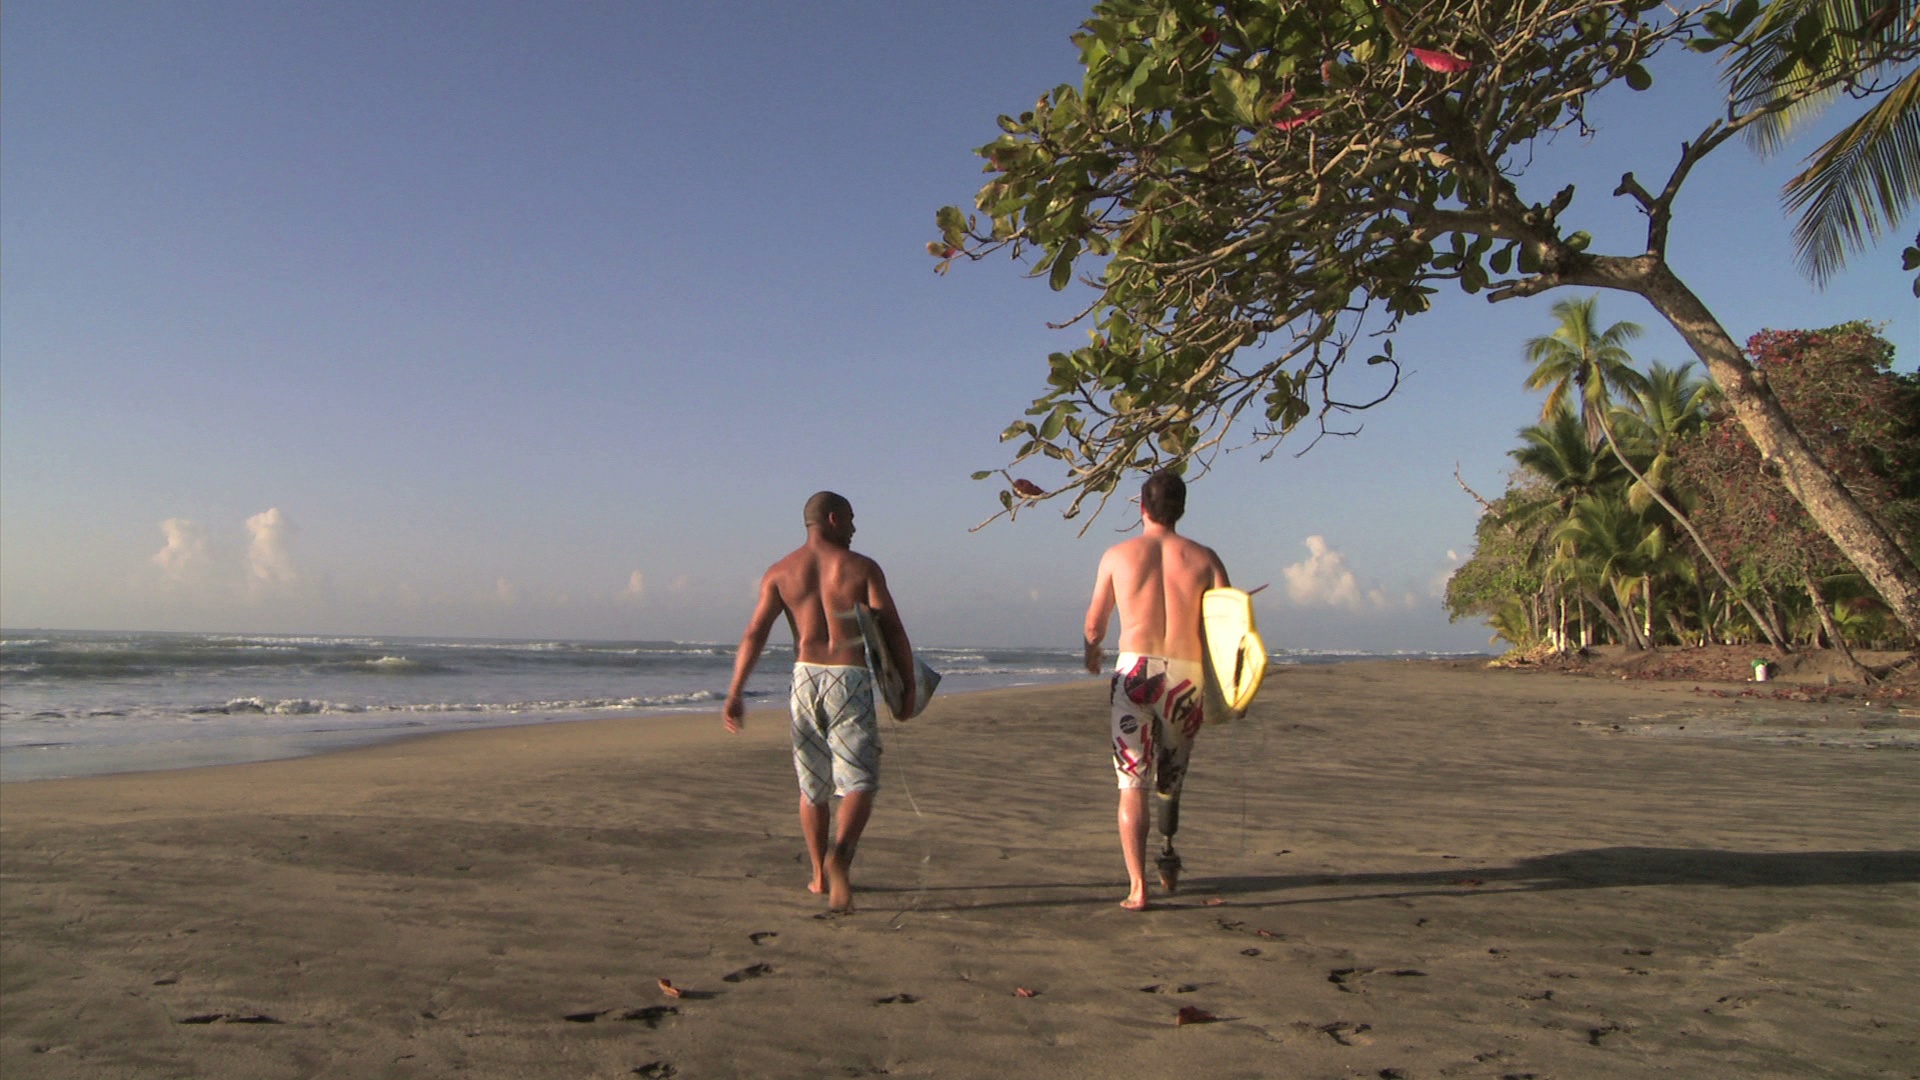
(1392, 869)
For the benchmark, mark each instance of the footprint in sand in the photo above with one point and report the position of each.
(896, 999)
(656, 1070)
(752, 971)
(651, 1015)
(1347, 1033)
(762, 936)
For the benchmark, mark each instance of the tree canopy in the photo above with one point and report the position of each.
(1259, 192)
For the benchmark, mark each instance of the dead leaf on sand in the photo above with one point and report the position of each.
(1214, 901)
(1193, 1015)
(667, 988)
(1021, 991)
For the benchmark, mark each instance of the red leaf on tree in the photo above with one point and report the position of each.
(1028, 489)
(1435, 60)
(1286, 99)
(1292, 122)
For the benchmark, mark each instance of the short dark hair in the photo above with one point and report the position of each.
(823, 503)
(1164, 497)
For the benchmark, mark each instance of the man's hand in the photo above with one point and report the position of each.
(734, 712)
(1094, 656)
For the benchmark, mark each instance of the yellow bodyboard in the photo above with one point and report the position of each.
(1236, 657)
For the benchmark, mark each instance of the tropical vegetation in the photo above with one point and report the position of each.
(1641, 513)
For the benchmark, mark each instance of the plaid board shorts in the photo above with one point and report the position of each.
(836, 735)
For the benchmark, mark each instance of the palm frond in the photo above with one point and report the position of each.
(1859, 184)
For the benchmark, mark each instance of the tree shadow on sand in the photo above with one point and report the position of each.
(1593, 868)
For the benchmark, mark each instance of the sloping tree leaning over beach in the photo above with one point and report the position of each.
(1256, 190)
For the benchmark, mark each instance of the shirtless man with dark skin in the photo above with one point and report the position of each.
(1155, 580)
(836, 735)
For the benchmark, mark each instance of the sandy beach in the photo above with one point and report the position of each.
(1393, 870)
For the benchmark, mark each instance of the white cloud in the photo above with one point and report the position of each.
(269, 562)
(1437, 588)
(636, 586)
(1323, 580)
(185, 555)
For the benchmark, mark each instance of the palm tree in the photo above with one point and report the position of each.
(1569, 469)
(1579, 358)
(1604, 543)
(1858, 184)
(1672, 405)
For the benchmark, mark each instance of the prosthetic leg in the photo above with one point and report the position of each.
(1166, 819)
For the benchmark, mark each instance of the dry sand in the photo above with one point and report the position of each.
(1393, 870)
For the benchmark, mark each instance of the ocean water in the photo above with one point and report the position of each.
(81, 703)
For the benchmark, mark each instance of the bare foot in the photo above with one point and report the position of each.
(839, 884)
(1136, 903)
(816, 886)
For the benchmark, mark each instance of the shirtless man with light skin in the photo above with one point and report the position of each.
(1155, 580)
(836, 734)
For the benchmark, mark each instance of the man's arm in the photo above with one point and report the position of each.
(1219, 571)
(1099, 612)
(880, 602)
(769, 608)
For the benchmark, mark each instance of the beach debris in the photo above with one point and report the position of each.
(1214, 901)
(751, 971)
(657, 1070)
(667, 988)
(896, 999)
(1594, 1035)
(232, 1018)
(1249, 952)
(1191, 1014)
(1021, 991)
(651, 1015)
(760, 937)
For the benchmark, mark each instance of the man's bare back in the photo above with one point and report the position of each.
(818, 585)
(1155, 581)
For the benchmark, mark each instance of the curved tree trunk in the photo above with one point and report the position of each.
(1826, 622)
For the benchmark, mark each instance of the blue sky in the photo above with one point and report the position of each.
(543, 320)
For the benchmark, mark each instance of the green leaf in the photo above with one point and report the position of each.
(1501, 261)
(982, 474)
(1638, 78)
(1579, 241)
(1062, 275)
